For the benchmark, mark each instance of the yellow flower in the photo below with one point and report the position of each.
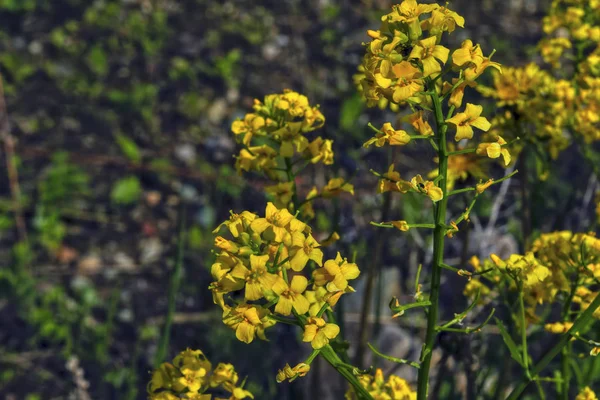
(256, 158)
(401, 225)
(456, 97)
(408, 12)
(409, 81)
(430, 54)
(249, 126)
(336, 186)
(558, 327)
(280, 222)
(317, 299)
(194, 368)
(464, 122)
(586, 394)
(442, 20)
(388, 134)
(530, 271)
(307, 248)
(282, 193)
(334, 275)
(467, 54)
(258, 278)
(427, 187)
(419, 124)
(239, 394)
(319, 333)
(475, 70)
(482, 186)
(291, 296)
(292, 102)
(237, 223)
(391, 181)
(224, 375)
(248, 321)
(320, 150)
(162, 377)
(226, 245)
(290, 373)
(494, 150)
(595, 351)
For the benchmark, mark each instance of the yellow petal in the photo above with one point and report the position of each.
(299, 283)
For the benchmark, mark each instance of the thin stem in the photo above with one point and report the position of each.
(523, 321)
(580, 323)
(174, 284)
(438, 251)
(393, 359)
(332, 358)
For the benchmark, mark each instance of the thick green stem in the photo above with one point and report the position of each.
(438, 250)
(579, 325)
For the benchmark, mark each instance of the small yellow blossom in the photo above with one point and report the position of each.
(430, 54)
(586, 394)
(258, 279)
(494, 150)
(464, 122)
(248, 321)
(337, 186)
(290, 373)
(280, 222)
(558, 327)
(435, 193)
(291, 296)
(388, 135)
(307, 248)
(319, 333)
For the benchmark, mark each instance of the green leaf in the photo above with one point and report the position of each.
(126, 191)
(351, 110)
(129, 148)
(512, 346)
(97, 61)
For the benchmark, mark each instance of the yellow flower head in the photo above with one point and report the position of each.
(291, 296)
(430, 55)
(388, 135)
(306, 248)
(586, 394)
(319, 333)
(248, 321)
(465, 121)
(494, 150)
(278, 222)
(291, 374)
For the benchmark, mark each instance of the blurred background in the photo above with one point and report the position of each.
(117, 150)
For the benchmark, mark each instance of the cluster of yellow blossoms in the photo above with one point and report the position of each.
(586, 394)
(274, 141)
(278, 127)
(261, 269)
(402, 65)
(557, 261)
(394, 389)
(190, 376)
(540, 106)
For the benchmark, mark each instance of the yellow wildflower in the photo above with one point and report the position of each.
(389, 135)
(319, 333)
(336, 186)
(258, 278)
(420, 185)
(320, 150)
(237, 223)
(558, 327)
(248, 321)
(409, 81)
(467, 54)
(307, 248)
(282, 193)
(494, 150)
(247, 127)
(430, 54)
(586, 394)
(401, 225)
(419, 124)
(279, 222)
(464, 122)
(291, 296)
(441, 20)
(290, 373)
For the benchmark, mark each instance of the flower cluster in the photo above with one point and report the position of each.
(190, 375)
(557, 261)
(394, 388)
(586, 394)
(406, 64)
(540, 105)
(274, 140)
(281, 121)
(261, 269)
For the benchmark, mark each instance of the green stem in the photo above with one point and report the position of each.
(332, 358)
(523, 324)
(438, 251)
(579, 324)
(174, 284)
(291, 178)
